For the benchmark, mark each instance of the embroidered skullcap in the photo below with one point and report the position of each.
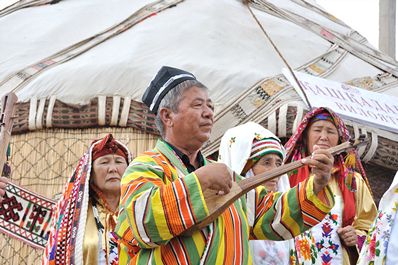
(108, 145)
(266, 146)
(166, 79)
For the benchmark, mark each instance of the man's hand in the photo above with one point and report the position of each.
(321, 164)
(3, 184)
(215, 176)
(348, 235)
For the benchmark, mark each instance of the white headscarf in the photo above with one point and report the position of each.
(236, 148)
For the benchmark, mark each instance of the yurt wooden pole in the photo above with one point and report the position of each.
(7, 112)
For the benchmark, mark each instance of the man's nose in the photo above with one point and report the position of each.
(208, 112)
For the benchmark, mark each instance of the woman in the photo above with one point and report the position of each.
(381, 244)
(337, 238)
(249, 150)
(85, 216)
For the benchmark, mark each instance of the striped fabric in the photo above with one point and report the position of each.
(266, 146)
(160, 200)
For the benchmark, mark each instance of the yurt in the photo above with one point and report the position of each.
(79, 69)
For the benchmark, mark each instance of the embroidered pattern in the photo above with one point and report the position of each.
(113, 258)
(374, 250)
(25, 215)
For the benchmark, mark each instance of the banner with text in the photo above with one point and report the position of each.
(367, 107)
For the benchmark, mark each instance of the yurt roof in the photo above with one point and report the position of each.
(82, 53)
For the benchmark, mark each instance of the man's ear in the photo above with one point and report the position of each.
(166, 115)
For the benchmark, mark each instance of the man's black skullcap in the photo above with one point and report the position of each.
(166, 79)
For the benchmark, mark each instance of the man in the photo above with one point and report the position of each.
(162, 190)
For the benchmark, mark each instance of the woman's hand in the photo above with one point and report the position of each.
(321, 164)
(348, 235)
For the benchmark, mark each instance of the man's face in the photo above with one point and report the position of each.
(193, 121)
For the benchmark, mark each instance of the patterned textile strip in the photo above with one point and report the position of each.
(316, 9)
(25, 4)
(254, 103)
(16, 81)
(26, 215)
(377, 83)
(362, 51)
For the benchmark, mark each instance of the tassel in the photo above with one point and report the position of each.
(350, 162)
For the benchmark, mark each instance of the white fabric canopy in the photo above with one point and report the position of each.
(218, 41)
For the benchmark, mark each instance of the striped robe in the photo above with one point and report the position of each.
(160, 200)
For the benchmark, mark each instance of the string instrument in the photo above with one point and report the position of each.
(217, 203)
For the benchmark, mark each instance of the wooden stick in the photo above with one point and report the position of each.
(217, 204)
(7, 112)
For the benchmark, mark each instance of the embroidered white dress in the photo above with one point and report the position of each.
(321, 244)
(381, 244)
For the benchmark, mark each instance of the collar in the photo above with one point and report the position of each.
(185, 159)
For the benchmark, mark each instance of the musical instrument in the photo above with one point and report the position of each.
(217, 203)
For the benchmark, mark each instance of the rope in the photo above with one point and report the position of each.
(25, 4)
(279, 53)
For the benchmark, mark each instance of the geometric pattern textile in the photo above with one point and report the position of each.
(26, 215)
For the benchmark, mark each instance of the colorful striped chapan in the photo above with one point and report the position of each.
(160, 200)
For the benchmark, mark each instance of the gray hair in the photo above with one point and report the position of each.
(173, 98)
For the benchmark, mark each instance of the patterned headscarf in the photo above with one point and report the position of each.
(65, 242)
(106, 146)
(345, 164)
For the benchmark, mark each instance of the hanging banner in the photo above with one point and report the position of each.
(353, 103)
